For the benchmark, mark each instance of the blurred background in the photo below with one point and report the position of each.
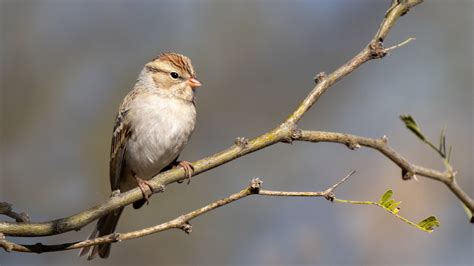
(66, 66)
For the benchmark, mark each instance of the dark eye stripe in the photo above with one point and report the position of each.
(156, 70)
(153, 69)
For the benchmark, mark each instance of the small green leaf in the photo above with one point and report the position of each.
(393, 206)
(387, 204)
(386, 196)
(410, 123)
(428, 223)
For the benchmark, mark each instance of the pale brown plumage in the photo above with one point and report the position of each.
(153, 124)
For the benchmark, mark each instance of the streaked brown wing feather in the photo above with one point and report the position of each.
(118, 148)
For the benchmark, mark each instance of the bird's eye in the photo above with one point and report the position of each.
(174, 75)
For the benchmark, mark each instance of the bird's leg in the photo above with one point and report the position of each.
(188, 169)
(144, 186)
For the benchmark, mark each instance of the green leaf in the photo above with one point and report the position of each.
(411, 124)
(387, 204)
(393, 206)
(386, 196)
(428, 223)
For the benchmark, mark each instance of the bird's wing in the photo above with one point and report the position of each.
(118, 148)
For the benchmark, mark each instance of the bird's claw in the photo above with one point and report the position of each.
(145, 187)
(188, 169)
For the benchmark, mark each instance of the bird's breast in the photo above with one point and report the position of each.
(160, 126)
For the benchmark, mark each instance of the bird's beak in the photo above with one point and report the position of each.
(193, 83)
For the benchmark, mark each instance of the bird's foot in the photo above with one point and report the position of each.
(145, 187)
(188, 169)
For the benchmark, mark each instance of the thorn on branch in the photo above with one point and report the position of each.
(321, 76)
(241, 142)
(377, 50)
(384, 139)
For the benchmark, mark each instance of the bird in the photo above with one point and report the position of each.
(152, 126)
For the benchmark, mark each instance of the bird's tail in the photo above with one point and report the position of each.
(106, 225)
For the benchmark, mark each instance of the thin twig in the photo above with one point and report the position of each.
(181, 222)
(400, 44)
(6, 209)
(381, 145)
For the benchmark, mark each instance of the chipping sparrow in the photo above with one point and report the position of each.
(154, 122)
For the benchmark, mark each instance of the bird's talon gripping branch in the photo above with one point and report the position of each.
(242, 142)
(188, 169)
(145, 187)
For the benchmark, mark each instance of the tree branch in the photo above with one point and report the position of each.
(7, 210)
(409, 170)
(181, 222)
(286, 132)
